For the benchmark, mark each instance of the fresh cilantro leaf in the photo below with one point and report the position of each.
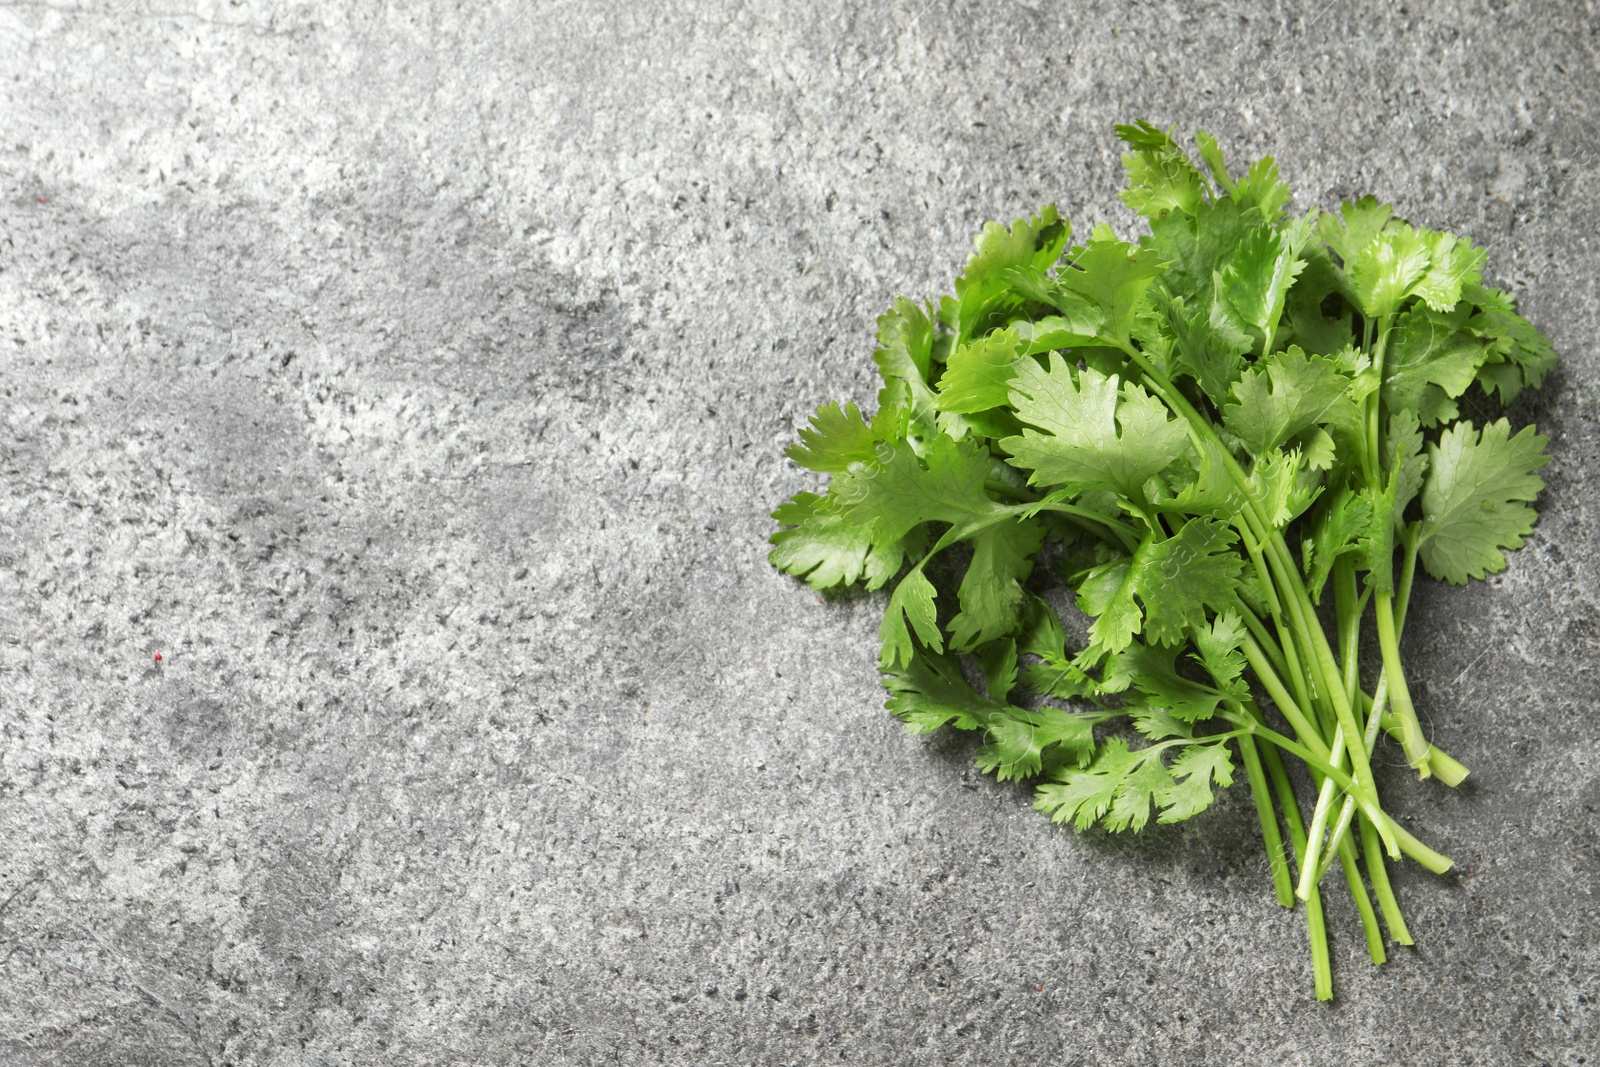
(1262, 190)
(1090, 435)
(1311, 325)
(1452, 264)
(1142, 136)
(1431, 361)
(1475, 499)
(1155, 723)
(902, 490)
(998, 661)
(985, 286)
(904, 356)
(1355, 228)
(1519, 355)
(1153, 671)
(1279, 489)
(1341, 529)
(991, 593)
(1117, 777)
(1113, 276)
(1389, 269)
(1404, 459)
(1211, 155)
(1205, 487)
(1219, 652)
(1018, 740)
(1206, 348)
(1175, 580)
(1193, 250)
(1161, 177)
(1257, 278)
(835, 440)
(978, 375)
(911, 602)
(929, 691)
(1042, 637)
(1080, 323)
(1280, 396)
(827, 550)
(1193, 772)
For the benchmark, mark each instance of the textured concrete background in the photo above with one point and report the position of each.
(414, 381)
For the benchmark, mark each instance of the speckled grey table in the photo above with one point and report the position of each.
(414, 382)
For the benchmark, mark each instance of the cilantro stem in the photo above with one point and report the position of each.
(1377, 870)
(1280, 696)
(1408, 574)
(1411, 739)
(1289, 663)
(1408, 844)
(1358, 890)
(1270, 835)
(1302, 614)
(1348, 606)
(1446, 768)
(1348, 609)
(1316, 927)
(1258, 629)
(1337, 836)
(999, 488)
(1099, 525)
(1300, 605)
(1309, 869)
(1373, 459)
(1344, 575)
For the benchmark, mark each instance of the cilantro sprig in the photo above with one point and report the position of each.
(1218, 430)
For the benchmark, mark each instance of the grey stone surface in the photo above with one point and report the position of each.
(414, 382)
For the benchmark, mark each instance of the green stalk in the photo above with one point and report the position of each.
(1358, 889)
(1310, 873)
(1448, 770)
(1258, 629)
(1101, 526)
(1347, 607)
(1316, 926)
(1270, 835)
(1444, 766)
(1287, 705)
(1408, 574)
(1372, 461)
(1374, 713)
(1332, 683)
(1411, 739)
(1337, 836)
(1379, 873)
(1291, 655)
(1406, 842)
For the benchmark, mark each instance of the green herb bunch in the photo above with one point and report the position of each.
(1242, 435)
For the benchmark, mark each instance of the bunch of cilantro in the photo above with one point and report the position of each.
(1236, 440)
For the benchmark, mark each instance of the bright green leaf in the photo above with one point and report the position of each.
(1475, 499)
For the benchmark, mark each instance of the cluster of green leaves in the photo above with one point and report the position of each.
(1170, 416)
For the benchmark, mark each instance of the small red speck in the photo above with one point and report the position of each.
(1041, 989)
(42, 200)
(158, 657)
